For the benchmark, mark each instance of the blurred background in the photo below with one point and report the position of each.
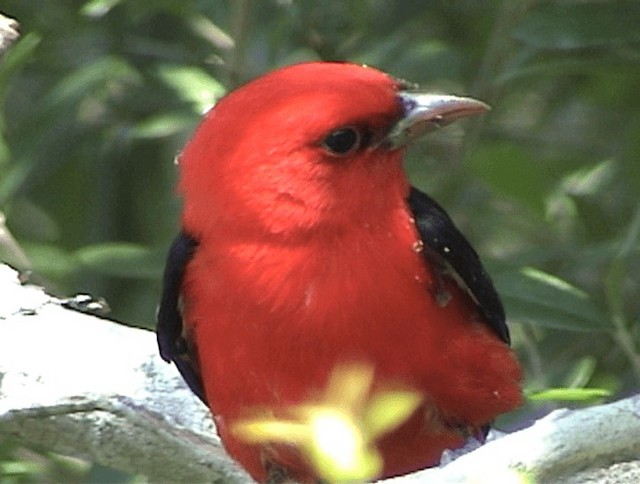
(97, 98)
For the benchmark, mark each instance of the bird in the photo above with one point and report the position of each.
(303, 248)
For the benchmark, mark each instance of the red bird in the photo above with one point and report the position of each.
(304, 247)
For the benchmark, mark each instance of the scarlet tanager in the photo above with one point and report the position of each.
(303, 247)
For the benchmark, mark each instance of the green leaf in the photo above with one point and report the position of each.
(568, 394)
(120, 260)
(589, 180)
(50, 260)
(17, 56)
(578, 26)
(101, 74)
(192, 85)
(510, 170)
(162, 126)
(21, 468)
(98, 8)
(205, 28)
(581, 372)
(616, 278)
(540, 298)
(566, 66)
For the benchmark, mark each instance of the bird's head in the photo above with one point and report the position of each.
(307, 146)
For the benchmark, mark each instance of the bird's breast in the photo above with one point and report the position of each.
(279, 314)
(354, 294)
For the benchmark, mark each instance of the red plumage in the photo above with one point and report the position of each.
(306, 260)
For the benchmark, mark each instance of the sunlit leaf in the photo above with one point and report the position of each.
(98, 8)
(204, 27)
(581, 372)
(568, 394)
(162, 126)
(192, 85)
(21, 469)
(589, 180)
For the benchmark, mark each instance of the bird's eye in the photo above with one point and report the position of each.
(342, 141)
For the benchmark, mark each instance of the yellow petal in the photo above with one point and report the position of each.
(338, 450)
(389, 410)
(264, 431)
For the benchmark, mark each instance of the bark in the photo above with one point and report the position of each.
(92, 388)
(8, 33)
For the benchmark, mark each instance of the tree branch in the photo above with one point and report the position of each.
(8, 33)
(95, 389)
(90, 388)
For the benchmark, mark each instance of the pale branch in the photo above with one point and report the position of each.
(8, 33)
(88, 387)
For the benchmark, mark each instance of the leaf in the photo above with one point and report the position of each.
(578, 26)
(590, 180)
(89, 80)
(208, 30)
(98, 8)
(536, 297)
(193, 85)
(581, 372)
(510, 170)
(50, 260)
(21, 470)
(162, 126)
(616, 277)
(120, 260)
(611, 65)
(568, 394)
(16, 57)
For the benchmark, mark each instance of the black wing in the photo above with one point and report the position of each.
(444, 243)
(171, 341)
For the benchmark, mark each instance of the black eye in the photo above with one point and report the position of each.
(342, 141)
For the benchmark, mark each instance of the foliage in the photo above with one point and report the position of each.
(98, 96)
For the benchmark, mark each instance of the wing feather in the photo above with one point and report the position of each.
(451, 250)
(172, 341)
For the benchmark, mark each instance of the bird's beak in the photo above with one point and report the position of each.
(425, 112)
